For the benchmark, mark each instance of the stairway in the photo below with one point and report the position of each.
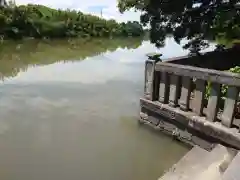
(199, 164)
(233, 170)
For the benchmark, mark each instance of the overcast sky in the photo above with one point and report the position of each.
(109, 7)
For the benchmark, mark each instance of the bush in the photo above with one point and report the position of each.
(40, 21)
(224, 87)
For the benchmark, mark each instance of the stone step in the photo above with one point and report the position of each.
(198, 164)
(187, 166)
(233, 170)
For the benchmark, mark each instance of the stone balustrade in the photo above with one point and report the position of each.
(176, 94)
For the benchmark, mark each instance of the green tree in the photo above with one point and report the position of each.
(195, 20)
(132, 28)
(42, 22)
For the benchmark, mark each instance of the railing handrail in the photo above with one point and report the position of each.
(221, 77)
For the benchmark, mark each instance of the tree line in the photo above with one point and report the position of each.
(39, 21)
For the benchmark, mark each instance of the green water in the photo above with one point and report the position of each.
(69, 109)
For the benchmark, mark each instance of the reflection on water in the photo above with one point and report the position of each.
(67, 119)
(19, 56)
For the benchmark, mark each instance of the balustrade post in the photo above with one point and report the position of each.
(213, 102)
(185, 93)
(174, 90)
(229, 106)
(151, 81)
(198, 103)
(164, 88)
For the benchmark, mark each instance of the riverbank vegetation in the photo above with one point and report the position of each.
(195, 20)
(39, 21)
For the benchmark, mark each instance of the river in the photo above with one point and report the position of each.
(69, 110)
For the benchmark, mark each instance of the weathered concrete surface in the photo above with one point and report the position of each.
(216, 130)
(233, 170)
(198, 164)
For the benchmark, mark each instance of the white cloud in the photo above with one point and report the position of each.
(110, 12)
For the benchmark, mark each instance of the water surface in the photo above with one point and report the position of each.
(69, 109)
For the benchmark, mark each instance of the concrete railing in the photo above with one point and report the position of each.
(178, 92)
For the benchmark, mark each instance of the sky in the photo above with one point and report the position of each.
(108, 7)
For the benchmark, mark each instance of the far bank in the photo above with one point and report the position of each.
(38, 21)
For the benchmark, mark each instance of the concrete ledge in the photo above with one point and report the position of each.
(198, 164)
(232, 172)
(176, 130)
(189, 120)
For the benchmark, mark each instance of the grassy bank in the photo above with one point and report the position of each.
(43, 22)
